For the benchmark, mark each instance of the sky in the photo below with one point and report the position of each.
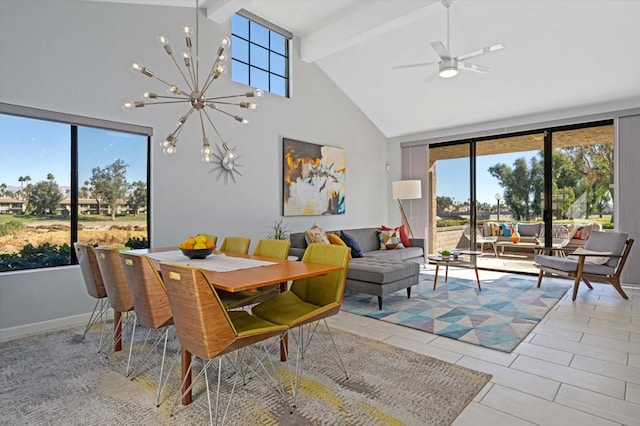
(35, 148)
(452, 176)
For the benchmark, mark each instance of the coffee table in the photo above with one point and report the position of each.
(556, 248)
(471, 259)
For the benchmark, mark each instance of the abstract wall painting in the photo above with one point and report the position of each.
(313, 179)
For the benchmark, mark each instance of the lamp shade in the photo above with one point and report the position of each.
(406, 189)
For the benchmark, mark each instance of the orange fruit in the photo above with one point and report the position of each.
(209, 244)
(188, 246)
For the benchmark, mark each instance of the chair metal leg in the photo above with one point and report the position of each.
(133, 334)
(92, 319)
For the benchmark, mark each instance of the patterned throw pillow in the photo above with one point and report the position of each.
(351, 242)
(389, 239)
(402, 233)
(316, 235)
(496, 230)
(506, 231)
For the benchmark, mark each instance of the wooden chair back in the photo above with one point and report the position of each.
(202, 323)
(90, 270)
(276, 249)
(147, 290)
(114, 279)
(324, 289)
(238, 245)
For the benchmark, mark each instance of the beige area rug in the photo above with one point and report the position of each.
(59, 379)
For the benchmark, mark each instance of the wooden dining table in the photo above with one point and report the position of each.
(277, 272)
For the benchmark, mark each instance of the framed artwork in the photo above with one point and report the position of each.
(313, 179)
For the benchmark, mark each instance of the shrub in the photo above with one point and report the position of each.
(34, 257)
(12, 225)
(137, 243)
(442, 223)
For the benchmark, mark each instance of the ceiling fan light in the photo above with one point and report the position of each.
(448, 72)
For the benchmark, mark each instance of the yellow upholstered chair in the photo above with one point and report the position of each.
(208, 331)
(238, 245)
(310, 300)
(151, 304)
(95, 287)
(117, 288)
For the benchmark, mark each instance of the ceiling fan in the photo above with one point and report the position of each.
(448, 65)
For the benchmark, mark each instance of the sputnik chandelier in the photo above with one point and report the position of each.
(195, 96)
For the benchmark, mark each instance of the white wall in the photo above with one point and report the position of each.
(73, 57)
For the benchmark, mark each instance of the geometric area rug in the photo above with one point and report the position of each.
(58, 378)
(498, 317)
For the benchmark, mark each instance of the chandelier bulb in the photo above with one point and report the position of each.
(241, 119)
(248, 105)
(187, 59)
(187, 30)
(165, 43)
(136, 67)
(130, 105)
(173, 90)
(170, 150)
(207, 158)
(150, 95)
(258, 93)
(225, 42)
(222, 58)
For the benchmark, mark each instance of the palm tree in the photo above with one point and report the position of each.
(50, 177)
(3, 189)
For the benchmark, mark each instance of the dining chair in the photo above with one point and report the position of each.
(151, 305)
(308, 301)
(95, 286)
(117, 288)
(208, 331)
(602, 260)
(238, 245)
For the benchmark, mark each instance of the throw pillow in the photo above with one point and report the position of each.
(573, 228)
(506, 230)
(495, 230)
(389, 240)
(596, 260)
(579, 233)
(334, 239)
(402, 232)
(316, 235)
(351, 242)
(586, 230)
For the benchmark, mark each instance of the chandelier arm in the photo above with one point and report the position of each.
(223, 111)
(167, 102)
(204, 134)
(186, 80)
(170, 85)
(192, 72)
(224, 103)
(214, 73)
(215, 129)
(243, 95)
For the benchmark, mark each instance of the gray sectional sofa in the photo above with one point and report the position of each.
(377, 272)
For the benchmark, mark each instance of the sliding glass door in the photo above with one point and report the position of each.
(499, 185)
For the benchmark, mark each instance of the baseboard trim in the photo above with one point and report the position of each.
(26, 330)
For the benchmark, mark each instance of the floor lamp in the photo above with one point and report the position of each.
(406, 190)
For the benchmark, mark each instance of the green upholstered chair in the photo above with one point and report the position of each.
(275, 249)
(151, 304)
(238, 245)
(208, 331)
(310, 300)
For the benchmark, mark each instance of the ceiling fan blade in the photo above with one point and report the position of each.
(473, 67)
(483, 51)
(423, 64)
(441, 50)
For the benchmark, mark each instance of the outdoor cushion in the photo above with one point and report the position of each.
(528, 229)
(596, 260)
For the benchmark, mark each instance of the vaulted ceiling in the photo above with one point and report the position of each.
(559, 54)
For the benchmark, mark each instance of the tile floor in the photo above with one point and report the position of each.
(580, 365)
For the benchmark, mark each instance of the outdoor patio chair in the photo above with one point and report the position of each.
(602, 259)
(481, 239)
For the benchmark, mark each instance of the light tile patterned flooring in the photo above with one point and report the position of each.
(580, 365)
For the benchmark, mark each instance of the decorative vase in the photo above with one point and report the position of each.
(515, 236)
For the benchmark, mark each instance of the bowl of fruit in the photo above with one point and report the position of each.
(198, 247)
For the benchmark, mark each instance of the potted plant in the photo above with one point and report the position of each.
(279, 231)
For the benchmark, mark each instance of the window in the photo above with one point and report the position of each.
(260, 54)
(65, 178)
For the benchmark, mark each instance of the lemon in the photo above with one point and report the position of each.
(201, 238)
(199, 246)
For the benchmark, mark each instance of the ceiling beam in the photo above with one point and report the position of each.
(220, 11)
(357, 26)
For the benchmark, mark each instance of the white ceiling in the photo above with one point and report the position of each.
(559, 54)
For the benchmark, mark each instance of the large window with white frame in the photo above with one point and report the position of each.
(66, 178)
(260, 54)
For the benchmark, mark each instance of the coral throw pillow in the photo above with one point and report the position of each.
(316, 235)
(402, 233)
(389, 240)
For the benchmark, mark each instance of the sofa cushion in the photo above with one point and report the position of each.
(396, 255)
(528, 229)
(356, 251)
(367, 238)
(566, 264)
(389, 240)
(380, 271)
(612, 242)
